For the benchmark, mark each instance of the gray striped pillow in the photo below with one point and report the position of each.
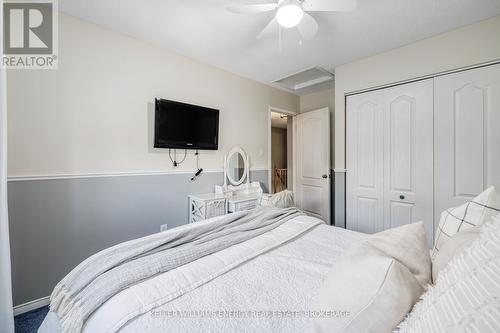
(473, 213)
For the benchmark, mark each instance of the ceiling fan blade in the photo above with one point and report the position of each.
(270, 29)
(329, 5)
(308, 27)
(252, 8)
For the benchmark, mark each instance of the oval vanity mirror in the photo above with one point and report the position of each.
(236, 166)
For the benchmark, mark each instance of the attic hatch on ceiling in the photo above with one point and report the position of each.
(307, 81)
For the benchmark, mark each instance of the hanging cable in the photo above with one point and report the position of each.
(184, 158)
(174, 160)
(200, 170)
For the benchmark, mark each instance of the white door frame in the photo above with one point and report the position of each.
(269, 146)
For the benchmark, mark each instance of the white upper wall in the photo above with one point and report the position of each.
(94, 114)
(474, 44)
(318, 100)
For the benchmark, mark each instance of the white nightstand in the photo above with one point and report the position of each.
(205, 206)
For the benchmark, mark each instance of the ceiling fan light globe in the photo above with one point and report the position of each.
(289, 15)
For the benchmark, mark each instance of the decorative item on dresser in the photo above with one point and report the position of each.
(241, 194)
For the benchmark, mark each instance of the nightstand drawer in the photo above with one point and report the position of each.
(237, 206)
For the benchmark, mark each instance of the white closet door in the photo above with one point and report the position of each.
(408, 155)
(364, 158)
(467, 135)
(389, 157)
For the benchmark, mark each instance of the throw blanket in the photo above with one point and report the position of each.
(103, 275)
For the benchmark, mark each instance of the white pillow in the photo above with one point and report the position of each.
(283, 199)
(454, 246)
(476, 212)
(466, 296)
(376, 283)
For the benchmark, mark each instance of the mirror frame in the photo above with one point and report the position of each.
(232, 152)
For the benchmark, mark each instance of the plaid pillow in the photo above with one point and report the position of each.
(481, 209)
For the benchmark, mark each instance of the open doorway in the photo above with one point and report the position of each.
(280, 150)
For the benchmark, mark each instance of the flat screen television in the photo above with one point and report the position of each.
(185, 126)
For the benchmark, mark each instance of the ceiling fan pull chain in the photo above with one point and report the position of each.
(280, 40)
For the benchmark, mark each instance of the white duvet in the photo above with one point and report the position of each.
(267, 292)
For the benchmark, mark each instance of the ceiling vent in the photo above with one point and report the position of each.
(307, 81)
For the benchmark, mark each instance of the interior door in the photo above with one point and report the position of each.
(408, 156)
(467, 135)
(312, 163)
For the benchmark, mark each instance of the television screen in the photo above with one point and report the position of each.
(185, 126)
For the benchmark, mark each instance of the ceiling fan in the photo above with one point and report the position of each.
(293, 13)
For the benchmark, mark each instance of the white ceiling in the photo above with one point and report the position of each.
(204, 30)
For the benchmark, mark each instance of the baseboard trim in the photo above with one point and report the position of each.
(32, 305)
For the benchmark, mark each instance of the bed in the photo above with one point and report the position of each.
(270, 286)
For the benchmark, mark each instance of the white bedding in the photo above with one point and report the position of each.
(283, 279)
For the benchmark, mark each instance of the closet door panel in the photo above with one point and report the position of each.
(467, 135)
(400, 213)
(367, 133)
(408, 160)
(364, 159)
(469, 115)
(401, 142)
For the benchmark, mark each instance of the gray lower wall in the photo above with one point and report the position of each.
(339, 199)
(55, 224)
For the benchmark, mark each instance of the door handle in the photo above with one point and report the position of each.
(402, 197)
(324, 176)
